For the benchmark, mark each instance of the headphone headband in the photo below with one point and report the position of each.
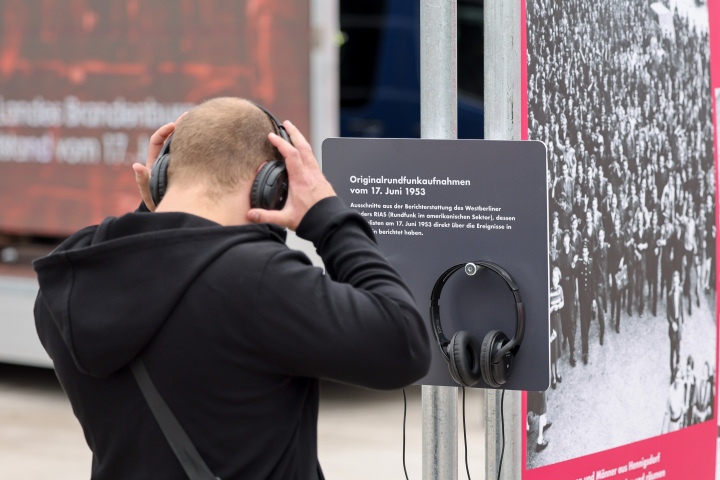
(471, 268)
(269, 190)
(276, 123)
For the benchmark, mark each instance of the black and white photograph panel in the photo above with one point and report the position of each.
(717, 152)
(619, 91)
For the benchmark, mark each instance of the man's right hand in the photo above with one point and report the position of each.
(307, 184)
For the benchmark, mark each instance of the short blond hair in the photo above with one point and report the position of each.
(221, 143)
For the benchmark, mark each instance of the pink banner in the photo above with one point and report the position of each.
(624, 94)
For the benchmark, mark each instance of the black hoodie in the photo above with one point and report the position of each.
(235, 329)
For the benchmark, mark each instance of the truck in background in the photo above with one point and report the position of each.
(83, 86)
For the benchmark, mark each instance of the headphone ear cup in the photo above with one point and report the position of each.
(270, 187)
(158, 178)
(463, 359)
(494, 375)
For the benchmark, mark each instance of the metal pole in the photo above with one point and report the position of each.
(324, 72)
(324, 93)
(438, 69)
(502, 122)
(438, 119)
(440, 454)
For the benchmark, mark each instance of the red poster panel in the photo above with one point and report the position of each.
(84, 84)
(622, 94)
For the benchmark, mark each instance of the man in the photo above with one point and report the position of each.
(689, 251)
(568, 152)
(585, 272)
(633, 203)
(555, 237)
(710, 244)
(675, 320)
(576, 236)
(668, 201)
(613, 213)
(661, 175)
(235, 329)
(672, 254)
(562, 195)
(640, 247)
(601, 181)
(568, 313)
(579, 208)
(656, 243)
(600, 256)
(583, 155)
(632, 263)
(616, 262)
(590, 231)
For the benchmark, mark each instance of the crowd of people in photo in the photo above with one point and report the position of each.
(691, 398)
(624, 109)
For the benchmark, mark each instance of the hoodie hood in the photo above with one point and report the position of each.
(101, 288)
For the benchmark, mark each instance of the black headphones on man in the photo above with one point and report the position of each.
(492, 361)
(269, 189)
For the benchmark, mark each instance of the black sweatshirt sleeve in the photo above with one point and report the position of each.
(359, 323)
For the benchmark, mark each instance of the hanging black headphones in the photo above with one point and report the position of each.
(492, 361)
(269, 189)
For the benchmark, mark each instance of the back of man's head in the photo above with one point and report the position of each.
(220, 143)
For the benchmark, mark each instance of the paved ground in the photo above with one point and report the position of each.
(620, 397)
(360, 431)
(39, 437)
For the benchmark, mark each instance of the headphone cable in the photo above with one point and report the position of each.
(502, 429)
(467, 467)
(404, 423)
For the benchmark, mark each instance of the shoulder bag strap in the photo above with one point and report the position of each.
(180, 443)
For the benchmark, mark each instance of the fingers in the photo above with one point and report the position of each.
(277, 217)
(297, 138)
(142, 172)
(299, 144)
(287, 150)
(158, 139)
(142, 177)
(302, 145)
(307, 184)
(180, 117)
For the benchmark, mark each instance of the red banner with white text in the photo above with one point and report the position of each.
(84, 84)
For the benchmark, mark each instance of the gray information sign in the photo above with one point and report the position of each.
(434, 204)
